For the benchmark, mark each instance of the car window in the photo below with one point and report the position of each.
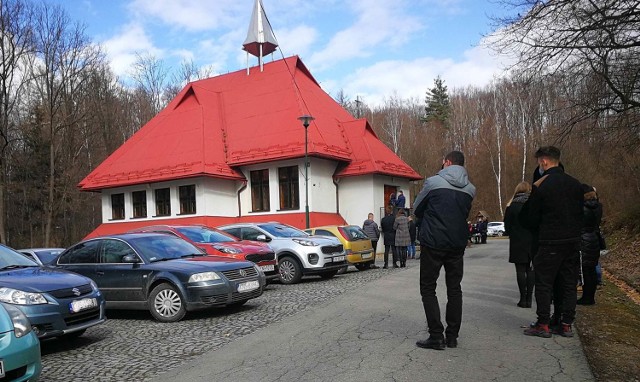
(11, 258)
(204, 235)
(354, 233)
(281, 230)
(48, 255)
(233, 232)
(324, 232)
(163, 247)
(113, 251)
(29, 256)
(83, 253)
(249, 233)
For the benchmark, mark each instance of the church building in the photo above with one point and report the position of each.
(261, 144)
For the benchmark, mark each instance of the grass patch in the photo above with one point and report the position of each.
(610, 334)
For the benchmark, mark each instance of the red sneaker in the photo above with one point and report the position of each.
(539, 330)
(564, 330)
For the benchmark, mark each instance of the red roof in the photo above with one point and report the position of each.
(316, 219)
(217, 124)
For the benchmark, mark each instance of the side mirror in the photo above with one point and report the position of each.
(131, 259)
(263, 238)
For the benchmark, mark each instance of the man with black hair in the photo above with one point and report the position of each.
(443, 207)
(554, 212)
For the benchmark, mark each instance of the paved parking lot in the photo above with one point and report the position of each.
(132, 346)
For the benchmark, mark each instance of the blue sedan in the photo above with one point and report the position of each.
(19, 346)
(57, 302)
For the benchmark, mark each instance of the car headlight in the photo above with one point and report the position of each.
(228, 250)
(20, 297)
(21, 324)
(306, 243)
(204, 276)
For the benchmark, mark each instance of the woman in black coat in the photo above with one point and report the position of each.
(590, 245)
(520, 243)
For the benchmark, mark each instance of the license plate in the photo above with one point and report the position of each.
(248, 286)
(267, 268)
(366, 255)
(84, 304)
(338, 258)
(1, 368)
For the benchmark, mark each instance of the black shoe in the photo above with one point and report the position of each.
(522, 304)
(385, 266)
(395, 265)
(585, 302)
(431, 343)
(452, 342)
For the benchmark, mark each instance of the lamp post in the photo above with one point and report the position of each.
(306, 119)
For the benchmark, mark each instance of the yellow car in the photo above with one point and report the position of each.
(356, 243)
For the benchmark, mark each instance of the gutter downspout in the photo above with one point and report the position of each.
(242, 188)
(335, 182)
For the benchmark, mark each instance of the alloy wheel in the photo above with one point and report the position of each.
(287, 270)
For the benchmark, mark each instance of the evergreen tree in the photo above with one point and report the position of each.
(438, 107)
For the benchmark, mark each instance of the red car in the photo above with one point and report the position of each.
(219, 243)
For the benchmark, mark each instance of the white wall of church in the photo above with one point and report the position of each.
(357, 198)
(322, 191)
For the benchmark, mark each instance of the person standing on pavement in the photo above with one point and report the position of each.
(411, 250)
(520, 243)
(484, 227)
(554, 210)
(370, 227)
(403, 237)
(443, 207)
(389, 235)
(590, 245)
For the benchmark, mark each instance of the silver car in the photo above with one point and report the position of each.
(298, 253)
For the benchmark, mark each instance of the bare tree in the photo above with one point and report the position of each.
(150, 76)
(16, 43)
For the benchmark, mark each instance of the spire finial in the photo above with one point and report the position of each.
(260, 39)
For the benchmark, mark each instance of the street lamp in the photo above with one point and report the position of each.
(306, 119)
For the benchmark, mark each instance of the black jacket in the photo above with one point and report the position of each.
(590, 242)
(554, 208)
(443, 206)
(520, 238)
(389, 234)
(412, 231)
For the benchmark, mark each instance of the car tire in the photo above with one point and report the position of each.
(328, 275)
(74, 335)
(363, 266)
(166, 304)
(290, 270)
(500, 233)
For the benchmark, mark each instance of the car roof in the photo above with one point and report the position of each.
(131, 235)
(40, 249)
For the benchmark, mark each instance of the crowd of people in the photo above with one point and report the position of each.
(553, 224)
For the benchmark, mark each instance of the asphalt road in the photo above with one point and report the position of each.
(369, 334)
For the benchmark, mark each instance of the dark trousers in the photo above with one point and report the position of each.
(394, 253)
(374, 245)
(431, 261)
(553, 264)
(526, 281)
(590, 276)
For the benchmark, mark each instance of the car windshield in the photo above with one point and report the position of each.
(281, 230)
(163, 247)
(11, 259)
(354, 233)
(48, 255)
(205, 235)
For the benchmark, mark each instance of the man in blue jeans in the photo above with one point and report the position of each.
(443, 208)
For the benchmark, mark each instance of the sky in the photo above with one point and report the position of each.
(371, 49)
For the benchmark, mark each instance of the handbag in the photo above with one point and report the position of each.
(603, 243)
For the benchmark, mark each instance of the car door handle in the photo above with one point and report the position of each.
(100, 273)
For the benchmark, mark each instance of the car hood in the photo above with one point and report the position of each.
(202, 264)
(39, 279)
(322, 240)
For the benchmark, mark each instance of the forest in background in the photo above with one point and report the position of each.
(575, 84)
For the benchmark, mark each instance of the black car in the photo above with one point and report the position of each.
(162, 273)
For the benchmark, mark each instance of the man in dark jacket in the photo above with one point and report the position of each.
(443, 206)
(554, 211)
(389, 235)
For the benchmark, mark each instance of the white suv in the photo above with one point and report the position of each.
(297, 252)
(495, 229)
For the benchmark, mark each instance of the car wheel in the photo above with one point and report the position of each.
(328, 275)
(363, 266)
(75, 334)
(290, 270)
(500, 233)
(166, 304)
(343, 270)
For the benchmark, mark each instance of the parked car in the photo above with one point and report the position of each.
(495, 229)
(42, 256)
(216, 242)
(162, 273)
(356, 243)
(57, 302)
(19, 346)
(298, 253)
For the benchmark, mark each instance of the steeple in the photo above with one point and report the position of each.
(260, 39)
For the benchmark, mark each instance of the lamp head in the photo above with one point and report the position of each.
(306, 119)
